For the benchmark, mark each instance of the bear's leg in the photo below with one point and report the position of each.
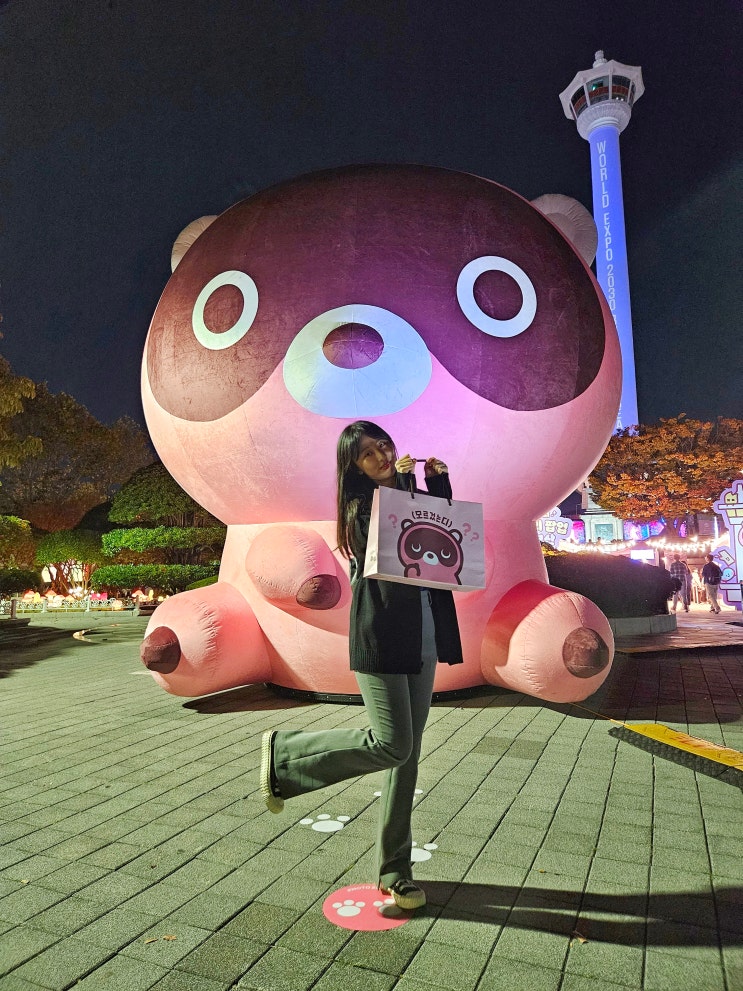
(205, 640)
(547, 642)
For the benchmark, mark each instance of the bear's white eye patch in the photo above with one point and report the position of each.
(474, 313)
(226, 338)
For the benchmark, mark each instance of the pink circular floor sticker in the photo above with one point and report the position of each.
(364, 908)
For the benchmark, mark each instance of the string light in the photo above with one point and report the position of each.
(692, 546)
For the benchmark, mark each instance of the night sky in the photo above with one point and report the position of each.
(122, 121)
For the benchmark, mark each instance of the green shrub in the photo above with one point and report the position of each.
(619, 587)
(165, 578)
(14, 581)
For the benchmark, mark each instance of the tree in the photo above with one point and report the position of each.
(180, 531)
(81, 463)
(153, 496)
(17, 543)
(71, 557)
(668, 470)
(13, 390)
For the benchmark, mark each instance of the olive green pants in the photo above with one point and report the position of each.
(397, 706)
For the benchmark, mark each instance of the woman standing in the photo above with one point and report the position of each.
(397, 633)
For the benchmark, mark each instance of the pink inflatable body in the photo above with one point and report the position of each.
(441, 306)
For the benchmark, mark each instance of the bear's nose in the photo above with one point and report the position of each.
(354, 345)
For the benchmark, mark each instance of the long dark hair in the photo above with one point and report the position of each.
(355, 490)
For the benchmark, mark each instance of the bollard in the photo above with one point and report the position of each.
(14, 608)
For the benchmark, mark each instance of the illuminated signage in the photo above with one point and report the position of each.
(611, 255)
(554, 529)
(730, 558)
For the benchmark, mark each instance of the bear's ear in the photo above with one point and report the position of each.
(573, 220)
(456, 535)
(187, 237)
(405, 524)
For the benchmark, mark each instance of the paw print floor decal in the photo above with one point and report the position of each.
(420, 853)
(363, 908)
(416, 796)
(325, 823)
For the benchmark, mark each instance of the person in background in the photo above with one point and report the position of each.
(712, 576)
(697, 586)
(679, 570)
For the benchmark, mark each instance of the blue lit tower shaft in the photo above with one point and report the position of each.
(600, 102)
(611, 256)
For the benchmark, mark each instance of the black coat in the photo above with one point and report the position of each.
(386, 617)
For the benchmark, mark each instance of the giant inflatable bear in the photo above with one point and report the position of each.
(445, 308)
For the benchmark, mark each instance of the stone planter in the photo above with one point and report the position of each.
(637, 626)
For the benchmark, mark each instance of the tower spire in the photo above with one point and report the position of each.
(600, 101)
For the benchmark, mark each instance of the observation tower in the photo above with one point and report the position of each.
(600, 102)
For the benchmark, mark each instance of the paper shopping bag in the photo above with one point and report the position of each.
(423, 540)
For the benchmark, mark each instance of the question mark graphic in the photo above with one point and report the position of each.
(466, 527)
(475, 536)
(394, 520)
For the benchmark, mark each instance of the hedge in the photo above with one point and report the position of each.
(142, 539)
(165, 578)
(619, 587)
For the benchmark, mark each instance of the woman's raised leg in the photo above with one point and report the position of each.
(304, 761)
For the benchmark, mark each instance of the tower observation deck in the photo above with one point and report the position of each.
(600, 101)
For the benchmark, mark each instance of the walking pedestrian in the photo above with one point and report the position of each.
(397, 634)
(712, 576)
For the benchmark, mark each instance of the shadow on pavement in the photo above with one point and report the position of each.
(33, 646)
(25, 645)
(662, 919)
(249, 698)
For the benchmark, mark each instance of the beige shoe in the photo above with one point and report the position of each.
(406, 893)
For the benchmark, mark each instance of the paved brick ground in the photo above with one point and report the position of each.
(137, 854)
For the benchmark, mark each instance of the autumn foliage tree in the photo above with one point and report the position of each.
(670, 470)
(17, 557)
(17, 543)
(14, 390)
(80, 464)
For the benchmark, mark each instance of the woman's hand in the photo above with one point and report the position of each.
(435, 467)
(405, 464)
